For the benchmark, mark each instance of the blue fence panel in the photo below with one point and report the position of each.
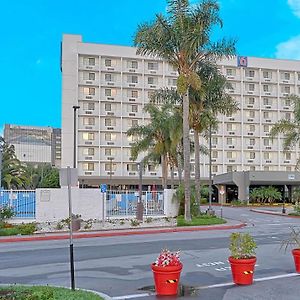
(22, 202)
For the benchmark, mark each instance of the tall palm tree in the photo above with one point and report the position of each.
(158, 137)
(289, 128)
(206, 104)
(183, 39)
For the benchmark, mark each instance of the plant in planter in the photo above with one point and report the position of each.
(166, 271)
(293, 241)
(242, 259)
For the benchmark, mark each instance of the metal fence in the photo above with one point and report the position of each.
(21, 201)
(123, 203)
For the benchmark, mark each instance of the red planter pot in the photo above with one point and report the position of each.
(166, 279)
(242, 270)
(296, 254)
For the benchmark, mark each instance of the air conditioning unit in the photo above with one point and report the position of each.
(131, 99)
(250, 147)
(192, 159)
(268, 147)
(88, 127)
(286, 161)
(231, 132)
(285, 107)
(110, 69)
(230, 77)
(213, 146)
(131, 173)
(267, 79)
(250, 133)
(110, 98)
(110, 173)
(131, 114)
(268, 121)
(267, 93)
(231, 119)
(88, 143)
(89, 82)
(250, 160)
(110, 128)
(110, 158)
(88, 97)
(88, 158)
(231, 147)
(192, 173)
(110, 143)
(88, 112)
(153, 173)
(249, 78)
(110, 83)
(250, 93)
(250, 120)
(250, 106)
(153, 72)
(87, 173)
(110, 113)
(213, 160)
(89, 67)
(131, 70)
(153, 86)
(267, 133)
(131, 84)
(285, 94)
(231, 160)
(268, 106)
(268, 161)
(131, 144)
(285, 81)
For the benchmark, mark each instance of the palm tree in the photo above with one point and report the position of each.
(211, 100)
(13, 172)
(289, 128)
(158, 137)
(183, 39)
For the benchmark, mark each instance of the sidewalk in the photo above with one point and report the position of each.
(231, 224)
(273, 211)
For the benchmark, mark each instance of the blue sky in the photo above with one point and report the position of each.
(31, 33)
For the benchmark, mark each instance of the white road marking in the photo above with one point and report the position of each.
(132, 296)
(210, 264)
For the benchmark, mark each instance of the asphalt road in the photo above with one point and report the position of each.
(120, 266)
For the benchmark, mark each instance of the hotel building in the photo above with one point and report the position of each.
(112, 84)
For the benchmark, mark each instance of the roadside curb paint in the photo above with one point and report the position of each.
(117, 233)
(267, 212)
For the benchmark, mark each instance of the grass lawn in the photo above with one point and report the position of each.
(200, 220)
(44, 293)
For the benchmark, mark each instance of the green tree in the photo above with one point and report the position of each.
(13, 172)
(289, 128)
(157, 139)
(183, 39)
(265, 194)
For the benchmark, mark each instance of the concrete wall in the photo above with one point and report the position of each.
(52, 204)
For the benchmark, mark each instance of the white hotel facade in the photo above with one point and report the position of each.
(111, 84)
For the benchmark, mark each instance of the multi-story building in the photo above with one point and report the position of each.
(111, 84)
(34, 144)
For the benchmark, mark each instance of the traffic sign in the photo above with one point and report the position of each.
(103, 188)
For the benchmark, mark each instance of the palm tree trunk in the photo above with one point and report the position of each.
(186, 156)
(164, 166)
(197, 167)
(179, 163)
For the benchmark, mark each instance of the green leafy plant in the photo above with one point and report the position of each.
(134, 222)
(242, 245)
(292, 241)
(88, 224)
(6, 212)
(149, 220)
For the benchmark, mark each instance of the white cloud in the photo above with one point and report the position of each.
(295, 6)
(289, 49)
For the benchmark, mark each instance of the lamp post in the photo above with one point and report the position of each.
(72, 269)
(75, 107)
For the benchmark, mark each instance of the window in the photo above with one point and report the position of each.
(251, 87)
(107, 151)
(89, 91)
(92, 76)
(266, 142)
(252, 128)
(215, 169)
(132, 167)
(266, 74)
(150, 94)
(88, 121)
(172, 81)
(214, 154)
(152, 80)
(287, 102)
(107, 107)
(110, 92)
(151, 168)
(252, 155)
(265, 88)
(229, 154)
(110, 122)
(252, 142)
(107, 63)
(266, 115)
(250, 73)
(266, 168)
(89, 106)
(88, 151)
(252, 168)
(229, 141)
(251, 114)
(88, 136)
(230, 127)
(110, 167)
(286, 76)
(88, 166)
(108, 77)
(132, 64)
(230, 72)
(267, 101)
(229, 169)
(134, 123)
(132, 79)
(288, 156)
(251, 101)
(152, 66)
(91, 61)
(287, 116)
(288, 169)
(110, 136)
(266, 155)
(132, 93)
(287, 89)
(134, 108)
(266, 128)
(214, 140)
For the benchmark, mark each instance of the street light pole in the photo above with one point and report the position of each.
(72, 269)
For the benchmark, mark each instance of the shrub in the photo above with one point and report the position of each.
(242, 245)
(134, 222)
(6, 212)
(149, 220)
(88, 224)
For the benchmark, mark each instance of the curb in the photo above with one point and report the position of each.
(118, 233)
(273, 213)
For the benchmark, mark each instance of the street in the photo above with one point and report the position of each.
(120, 266)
